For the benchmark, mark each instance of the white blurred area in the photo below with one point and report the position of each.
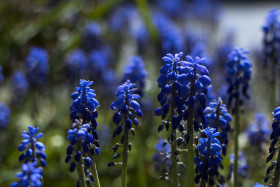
(245, 20)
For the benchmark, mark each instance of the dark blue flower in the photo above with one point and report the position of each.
(31, 148)
(259, 185)
(19, 84)
(127, 107)
(77, 63)
(258, 132)
(84, 103)
(135, 72)
(242, 165)
(217, 117)
(4, 116)
(37, 66)
(91, 38)
(173, 8)
(208, 156)
(30, 176)
(238, 75)
(1, 75)
(162, 158)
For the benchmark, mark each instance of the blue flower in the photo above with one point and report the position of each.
(259, 185)
(238, 75)
(77, 63)
(84, 104)
(274, 137)
(127, 107)
(37, 66)
(4, 116)
(242, 165)
(217, 117)
(91, 38)
(135, 72)
(174, 8)
(208, 156)
(19, 84)
(30, 176)
(271, 40)
(258, 132)
(162, 158)
(31, 148)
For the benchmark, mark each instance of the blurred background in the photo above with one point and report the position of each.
(96, 40)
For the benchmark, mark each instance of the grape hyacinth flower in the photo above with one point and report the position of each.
(183, 87)
(218, 117)
(208, 158)
(273, 149)
(37, 66)
(19, 84)
(91, 38)
(135, 72)
(32, 149)
(258, 132)
(77, 63)
(259, 185)
(238, 76)
(162, 159)
(242, 167)
(31, 174)
(5, 114)
(271, 48)
(128, 109)
(83, 136)
(1, 75)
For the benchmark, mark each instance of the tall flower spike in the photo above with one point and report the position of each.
(77, 63)
(238, 76)
(136, 73)
(208, 158)
(83, 137)
(162, 159)
(183, 86)
(31, 148)
(19, 84)
(273, 149)
(31, 174)
(271, 47)
(218, 117)
(37, 66)
(242, 167)
(127, 111)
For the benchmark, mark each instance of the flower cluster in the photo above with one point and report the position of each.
(84, 104)
(275, 135)
(272, 38)
(136, 73)
(83, 136)
(37, 66)
(33, 151)
(208, 157)
(242, 166)
(1, 75)
(162, 158)
(19, 83)
(77, 63)
(5, 113)
(185, 84)
(258, 131)
(31, 148)
(128, 109)
(238, 75)
(30, 176)
(91, 38)
(217, 117)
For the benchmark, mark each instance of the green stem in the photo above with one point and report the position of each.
(81, 170)
(236, 147)
(203, 183)
(190, 155)
(124, 163)
(94, 172)
(175, 179)
(275, 182)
